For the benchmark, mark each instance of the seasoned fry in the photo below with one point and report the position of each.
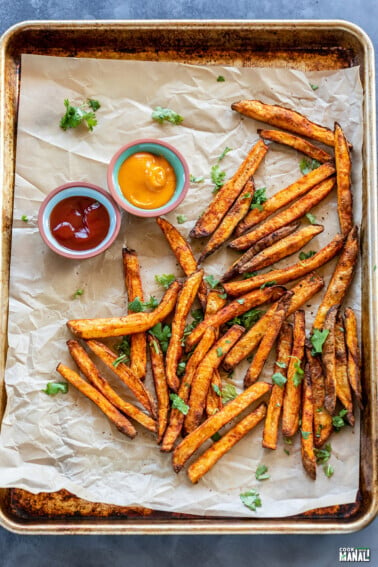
(234, 309)
(307, 432)
(322, 419)
(91, 372)
(133, 283)
(302, 292)
(343, 175)
(210, 457)
(226, 196)
(176, 419)
(204, 373)
(286, 247)
(354, 358)
(284, 347)
(214, 423)
(290, 273)
(119, 420)
(215, 302)
(161, 386)
(127, 325)
(291, 214)
(214, 400)
(286, 196)
(236, 213)
(183, 253)
(343, 391)
(292, 397)
(297, 143)
(185, 301)
(341, 278)
(123, 372)
(329, 360)
(238, 267)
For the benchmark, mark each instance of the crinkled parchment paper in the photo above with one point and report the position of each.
(49, 443)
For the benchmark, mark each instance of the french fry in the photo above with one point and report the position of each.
(297, 143)
(161, 386)
(302, 292)
(286, 247)
(236, 213)
(176, 418)
(234, 309)
(238, 267)
(91, 372)
(343, 175)
(226, 196)
(185, 301)
(215, 302)
(297, 210)
(354, 358)
(115, 416)
(286, 196)
(307, 432)
(343, 391)
(109, 358)
(295, 372)
(322, 418)
(133, 283)
(341, 278)
(183, 253)
(329, 360)
(284, 347)
(213, 424)
(203, 376)
(127, 325)
(212, 455)
(285, 275)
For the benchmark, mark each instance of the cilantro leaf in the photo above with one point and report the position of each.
(305, 434)
(228, 393)
(298, 376)
(24, 218)
(179, 404)
(240, 301)
(165, 280)
(194, 179)
(318, 339)
(246, 195)
(262, 473)
(314, 87)
(94, 104)
(279, 379)
(163, 334)
(76, 115)
(251, 499)
(216, 437)
(54, 388)
(217, 177)
(216, 389)
(161, 114)
(197, 315)
(181, 219)
(224, 153)
(328, 470)
(338, 421)
(247, 275)
(136, 306)
(211, 281)
(307, 165)
(311, 218)
(181, 368)
(281, 364)
(323, 455)
(268, 284)
(247, 319)
(305, 255)
(220, 79)
(124, 352)
(259, 199)
(77, 293)
(219, 352)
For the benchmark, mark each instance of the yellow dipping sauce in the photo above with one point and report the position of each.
(146, 180)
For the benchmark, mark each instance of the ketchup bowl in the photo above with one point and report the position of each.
(148, 177)
(79, 220)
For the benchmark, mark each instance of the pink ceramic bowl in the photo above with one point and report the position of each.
(159, 148)
(75, 190)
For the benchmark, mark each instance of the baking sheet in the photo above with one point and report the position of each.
(53, 443)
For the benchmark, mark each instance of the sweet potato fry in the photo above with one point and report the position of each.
(322, 419)
(297, 143)
(291, 214)
(133, 283)
(286, 196)
(161, 386)
(214, 423)
(234, 309)
(115, 416)
(127, 325)
(343, 391)
(212, 455)
(329, 360)
(295, 372)
(91, 372)
(123, 372)
(236, 213)
(343, 175)
(307, 427)
(302, 292)
(183, 253)
(354, 358)
(215, 302)
(203, 376)
(341, 278)
(226, 196)
(185, 301)
(284, 347)
(285, 275)
(214, 403)
(286, 247)
(176, 418)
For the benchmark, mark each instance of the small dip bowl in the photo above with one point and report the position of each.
(158, 148)
(79, 189)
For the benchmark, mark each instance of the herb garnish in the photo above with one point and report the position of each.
(338, 421)
(136, 306)
(228, 393)
(259, 199)
(298, 375)
(217, 177)
(318, 339)
(251, 499)
(179, 404)
(194, 179)
(323, 455)
(247, 319)
(328, 470)
(211, 281)
(75, 115)
(77, 293)
(24, 218)
(219, 352)
(54, 388)
(311, 218)
(161, 115)
(220, 79)
(216, 389)
(307, 165)
(268, 284)
(262, 473)
(181, 219)
(314, 87)
(279, 379)
(305, 255)
(165, 280)
(163, 334)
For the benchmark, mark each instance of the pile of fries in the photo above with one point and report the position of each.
(312, 376)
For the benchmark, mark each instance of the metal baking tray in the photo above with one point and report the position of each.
(304, 45)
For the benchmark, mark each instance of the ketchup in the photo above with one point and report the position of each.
(79, 223)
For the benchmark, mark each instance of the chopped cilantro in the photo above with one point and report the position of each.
(251, 499)
(268, 284)
(216, 436)
(288, 440)
(338, 420)
(328, 470)
(124, 349)
(246, 196)
(228, 393)
(156, 346)
(318, 339)
(247, 275)
(54, 388)
(136, 306)
(247, 319)
(219, 352)
(323, 455)
(163, 334)
(211, 281)
(194, 179)
(216, 389)
(305, 255)
(161, 115)
(24, 218)
(281, 364)
(179, 404)
(181, 219)
(305, 434)
(217, 177)
(286, 451)
(181, 368)
(279, 379)
(224, 153)
(307, 165)
(241, 301)
(314, 87)
(298, 375)
(77, 293)
(220, 79)
(311, 218)
(75, 115)
(165, 280)
(262, 473)
(259, 198)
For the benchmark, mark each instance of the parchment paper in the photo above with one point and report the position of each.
(49, 443)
